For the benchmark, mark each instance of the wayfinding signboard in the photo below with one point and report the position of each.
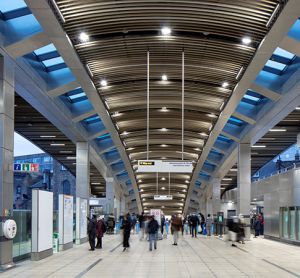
(163, 197)
(154, 166)
(26, 167)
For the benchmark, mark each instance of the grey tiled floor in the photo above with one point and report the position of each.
(202, 257)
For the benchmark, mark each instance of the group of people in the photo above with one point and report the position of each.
(257, 223)
(96, 229)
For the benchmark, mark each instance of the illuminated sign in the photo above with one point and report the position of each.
(163, 197)
(26, 167)
(160, 166)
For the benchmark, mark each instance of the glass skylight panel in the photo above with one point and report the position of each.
(283, 53)
(92, 119)
(45, 49)
(275, 65)
(104, 136)
(256, 99)
(73, 97)
(53, 62)
(223, 138)
(236, 120)
(11, 5)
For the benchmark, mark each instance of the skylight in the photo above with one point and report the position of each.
(275, 65)
(256, 99)
(74, 97)
(53, 62)
(45, 49)
(11, 5)
(233, 119)
(283, 53)
(92, 119)
(224, 138)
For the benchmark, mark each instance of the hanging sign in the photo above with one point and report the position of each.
(163, 197)
(26, 167)
(160, 166)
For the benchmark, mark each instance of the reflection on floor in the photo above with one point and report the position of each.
(202, 257)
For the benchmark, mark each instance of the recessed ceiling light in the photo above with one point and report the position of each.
(47, 136)
(84, 37)
(57, 144)
(225, 84)
(130, 149)
(277, 129)
(66, 151)
(163, 129)
(259, 146)
(139, 180)
(212, 115)
(71, 157)
(254, 199)
(233, 170)
(96, 183)
(203, 134)
(163, 178)
(163, 188)
(166, 31)
(144, 199)
(197, 149)
(298, 108)
(142, 190)
(184, 190)
(124, 133)
(246, 40)
(164, 77)
(103, 83)
(227, 179)
(187, 181)
(164, 109)
(164, 145)
(116, 114)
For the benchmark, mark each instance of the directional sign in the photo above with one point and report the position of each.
(163, 197)
(160, 166)
(26, 167)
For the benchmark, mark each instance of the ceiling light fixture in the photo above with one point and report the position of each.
(259, 146)
(116, 114)
(197, 149)
(163, 129)
(103, 83)
(163, 178)
(163, 188)
(57, 144)
(246, 40)
(212, 115)
(272, 16)
(71, 157)
(164, 145)
(298, 108)
(166, 31)
(130, 149)
(164, 77)
(227, 179)
(187, 181)
(124, 133)
(47, 136)
(233, 170)
(203, 134)
(84, 37)
(66, 151)
(164, 109)
(225, 84)
(96, 183)
(239, 73)
(277, 129)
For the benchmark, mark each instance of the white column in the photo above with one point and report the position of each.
(7, 100)
(82, 190)
(110, 195)
(216, 183)
(244, 183)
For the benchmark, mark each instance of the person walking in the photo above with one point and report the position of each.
(92, 231)
(162, 224)
(176, 224)
(141, 219)
(152, 230)
(257, 226)
(126, 226)
(209, 223)
(194, 220)
(100, 230)
(167, 226)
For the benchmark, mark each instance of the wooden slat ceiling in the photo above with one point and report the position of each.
(32, 125)
(210, 32)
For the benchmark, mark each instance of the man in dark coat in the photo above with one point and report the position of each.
(194, 223)
(152, 230)
(100, 230)
(126, 226)
(92, 231)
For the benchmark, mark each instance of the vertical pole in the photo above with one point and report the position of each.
(182, 103)
(7, 111)
(148, 100)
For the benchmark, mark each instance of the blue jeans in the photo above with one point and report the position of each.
(152, 238)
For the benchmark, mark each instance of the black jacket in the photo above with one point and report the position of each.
(92, 227)
(153, 226)
(126, 226)
(194, 220)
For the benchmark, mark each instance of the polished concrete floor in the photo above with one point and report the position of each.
(201, 257)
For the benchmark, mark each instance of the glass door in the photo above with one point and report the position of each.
(292, 224)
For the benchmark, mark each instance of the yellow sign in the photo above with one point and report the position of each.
(147, 163)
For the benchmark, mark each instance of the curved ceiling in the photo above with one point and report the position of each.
(211, 35)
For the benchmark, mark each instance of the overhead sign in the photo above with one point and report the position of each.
(163, 197)
(160, 166)
(26, 167)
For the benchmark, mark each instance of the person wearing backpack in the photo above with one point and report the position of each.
(100, 231)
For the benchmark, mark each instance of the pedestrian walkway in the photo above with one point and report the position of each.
(193, 257)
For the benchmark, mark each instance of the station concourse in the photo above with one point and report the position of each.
(173, 122)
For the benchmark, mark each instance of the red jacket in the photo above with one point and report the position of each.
(100, 228)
